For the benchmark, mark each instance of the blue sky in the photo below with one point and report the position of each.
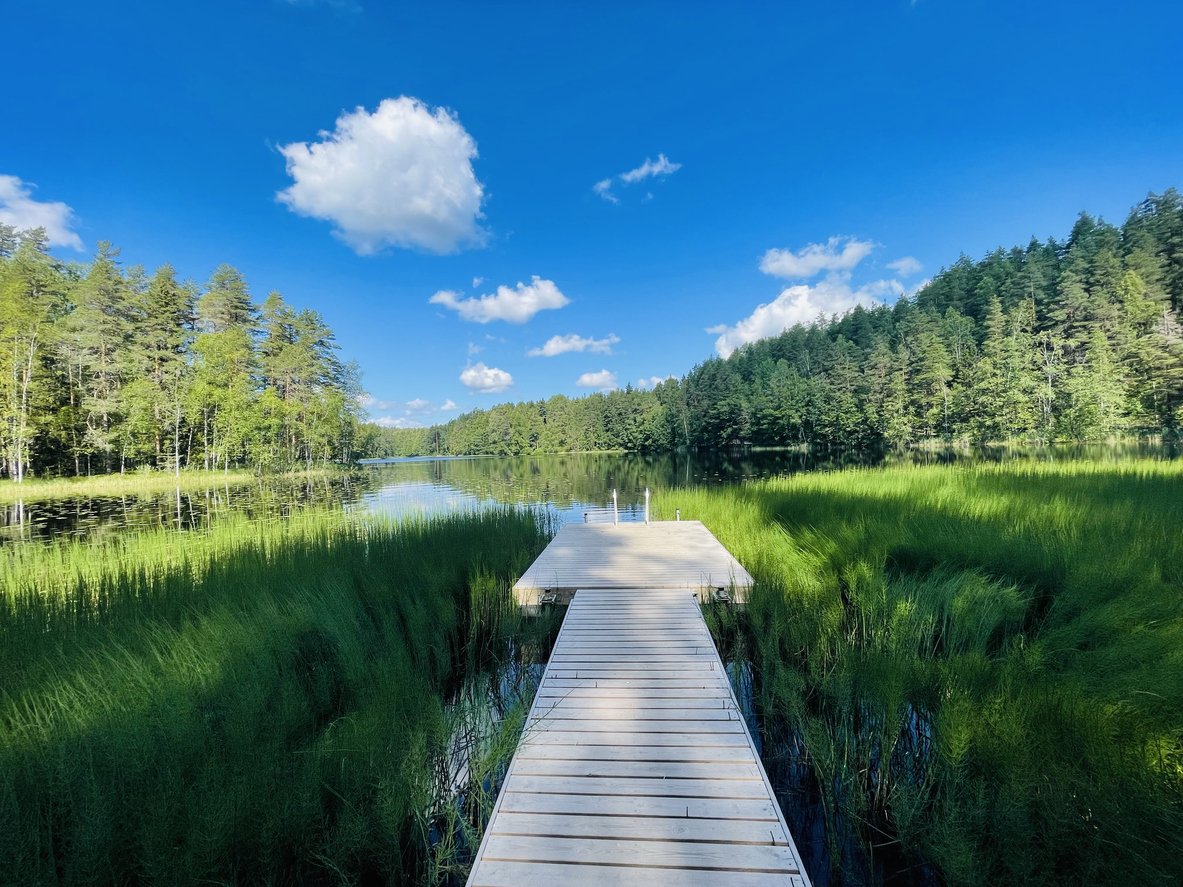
(455, 185)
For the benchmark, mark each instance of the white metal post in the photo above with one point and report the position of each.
(646, 505)
(615, 510)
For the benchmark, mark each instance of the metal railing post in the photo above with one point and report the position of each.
(615, 509)
(646, 505)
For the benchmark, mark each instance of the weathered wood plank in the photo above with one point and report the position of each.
(668, 828)
(654, 854)
(504, 873)
(656, 787)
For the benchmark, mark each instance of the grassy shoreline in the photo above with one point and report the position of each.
(143, 483)
(268, 703)
(984, 665)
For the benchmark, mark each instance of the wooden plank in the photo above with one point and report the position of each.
(559, 735)
(505, 873)
(633, 725)
(656, 787)
(654, 854)
(686, 753)
(566, 825)
(647, 769)
(760, 811)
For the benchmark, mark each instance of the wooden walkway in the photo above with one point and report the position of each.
(635, 765)
(665, 554)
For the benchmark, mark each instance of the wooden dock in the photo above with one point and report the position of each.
(635, 765)
(665, 554)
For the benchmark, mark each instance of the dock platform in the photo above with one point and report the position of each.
(664, 554)
(636, 766)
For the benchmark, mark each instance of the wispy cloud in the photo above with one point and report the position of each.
(556, 345)
(512, 305)
(604, 380)
(906, 266)
(401, 176)
(654, 381)
(412, 413)
(660, 167)
(21, 211)
(485, 379)
(836, 254)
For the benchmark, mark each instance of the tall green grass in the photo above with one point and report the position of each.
(269, 703)
(984, 665)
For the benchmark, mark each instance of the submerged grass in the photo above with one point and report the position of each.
(269, 703)
(983, 665)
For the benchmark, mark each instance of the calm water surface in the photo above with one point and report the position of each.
(569, 488)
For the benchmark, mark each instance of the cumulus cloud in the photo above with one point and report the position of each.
(485, 379)
(604, 380)
(801, 303)
(836, 254)
(653, 381)
(401, 176)
(516, 305)
(21, 211)
(906, 266)
(662, 166)
(556, 345)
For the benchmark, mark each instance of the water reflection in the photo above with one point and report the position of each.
(569, 487)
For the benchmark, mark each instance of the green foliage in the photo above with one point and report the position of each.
(985, 665)
(267, 703)
(105, 369)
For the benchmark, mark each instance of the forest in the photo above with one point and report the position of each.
(105, 368)
(1057, 340)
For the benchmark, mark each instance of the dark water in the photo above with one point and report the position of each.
(569, 487)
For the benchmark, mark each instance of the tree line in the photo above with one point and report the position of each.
(1075, 339)
(105, 368)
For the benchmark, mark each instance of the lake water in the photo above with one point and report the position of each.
(569, 487)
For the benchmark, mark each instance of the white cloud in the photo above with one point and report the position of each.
(485, 379)
(397, 422)
(477, 281)
(653, 381)
(836, 254)
(906, 266)
(662, 166)
(650, 168)
(21, 211)
(515, 305)
(604, 188)
(408, 413)
(801, 303)
(401, 176)
(563, 344)
(605, 380)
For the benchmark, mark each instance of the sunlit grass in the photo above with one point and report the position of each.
(255, 703)
(135, 483)
(985, 664)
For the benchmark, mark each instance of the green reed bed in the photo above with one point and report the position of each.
(983, 665)
(258, 703)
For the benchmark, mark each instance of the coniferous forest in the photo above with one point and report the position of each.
(105, 368)
(1057, 340)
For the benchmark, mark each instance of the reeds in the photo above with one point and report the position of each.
(984, 665)
(257, 703)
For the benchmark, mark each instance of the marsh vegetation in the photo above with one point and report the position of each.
(979, 668)
(319, 700)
